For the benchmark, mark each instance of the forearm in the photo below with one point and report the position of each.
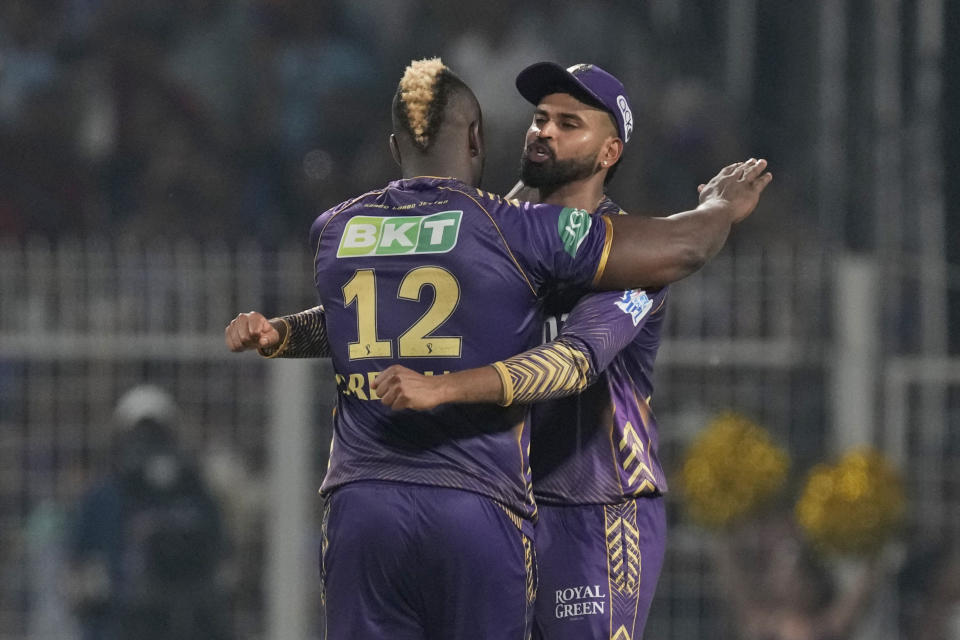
(552, 370)
(653, 252)
(480, 385)
(302, 335)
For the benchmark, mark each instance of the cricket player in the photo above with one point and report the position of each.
(597, 479)
(428, 515)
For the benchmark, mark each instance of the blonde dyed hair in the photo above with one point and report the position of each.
(422, 98)
(418, 91)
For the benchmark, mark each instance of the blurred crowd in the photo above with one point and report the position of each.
(238, 118)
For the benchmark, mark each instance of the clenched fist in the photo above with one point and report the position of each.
(251, 331)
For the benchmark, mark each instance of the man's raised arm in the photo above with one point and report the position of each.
(654, 252)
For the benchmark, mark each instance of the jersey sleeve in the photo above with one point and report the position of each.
(597, 329)
(605, 323)
(558, 244)
(306, 336)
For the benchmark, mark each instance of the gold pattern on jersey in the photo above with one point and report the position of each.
(623, 547)
(514, 518)
(635, 462)
(529, 563)
(621, 634)
(324, 544)
(548, 371)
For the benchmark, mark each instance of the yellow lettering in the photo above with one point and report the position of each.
(360, 385)
(355, 385)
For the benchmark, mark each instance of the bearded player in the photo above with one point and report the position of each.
(597, 479)
(432, 462)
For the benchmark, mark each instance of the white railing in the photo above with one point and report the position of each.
(82, 321)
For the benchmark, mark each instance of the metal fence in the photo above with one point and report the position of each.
(754, 331)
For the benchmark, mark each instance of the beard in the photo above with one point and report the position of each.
(553, 173)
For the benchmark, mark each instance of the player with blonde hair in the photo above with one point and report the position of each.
(428, 521)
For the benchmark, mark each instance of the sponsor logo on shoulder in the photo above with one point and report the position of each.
(635, 303)
(573, 225)
(576, 602)
(399, 235)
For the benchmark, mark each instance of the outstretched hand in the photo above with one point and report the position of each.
(401, 388)
(251, 331)
(739, 185)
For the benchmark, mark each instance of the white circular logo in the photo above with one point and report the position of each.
(627, 117)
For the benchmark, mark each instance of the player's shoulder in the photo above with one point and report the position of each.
(609, 207)
(494, 204)
(347, 207)
(353, 203)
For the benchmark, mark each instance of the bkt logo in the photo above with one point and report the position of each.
(391, 236)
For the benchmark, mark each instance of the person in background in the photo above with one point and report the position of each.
(146, 543)
(778, 588)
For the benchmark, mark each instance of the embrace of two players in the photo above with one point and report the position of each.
(494, 470)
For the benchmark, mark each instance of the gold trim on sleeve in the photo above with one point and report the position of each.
(506, 382)
(277, 351)
(606, 250)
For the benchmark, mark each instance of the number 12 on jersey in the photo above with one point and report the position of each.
(416, 341)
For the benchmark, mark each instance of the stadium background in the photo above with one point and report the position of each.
(160, 164)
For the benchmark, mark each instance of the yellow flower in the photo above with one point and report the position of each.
(730, 469)
(853, 506)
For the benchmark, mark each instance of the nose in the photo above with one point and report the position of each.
(543, 129)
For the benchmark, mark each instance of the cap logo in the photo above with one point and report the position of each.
(627, 117)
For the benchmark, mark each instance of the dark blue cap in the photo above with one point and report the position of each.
(544, 78)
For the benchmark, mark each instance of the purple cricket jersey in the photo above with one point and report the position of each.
(439, 276)
(600, 447)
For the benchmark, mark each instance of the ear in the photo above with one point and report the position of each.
(395, 149)
(475, 138)
(611, 152)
